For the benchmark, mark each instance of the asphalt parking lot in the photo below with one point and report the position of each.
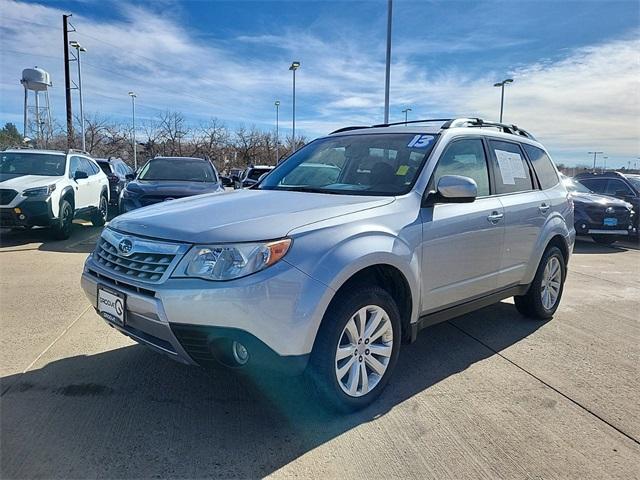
(487, 395)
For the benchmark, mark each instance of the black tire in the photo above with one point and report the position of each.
(62, 228)
(604, 239)
(530, 304)
(99, 218)
(322, 367)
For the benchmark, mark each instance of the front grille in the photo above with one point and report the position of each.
(134, 258)
(151, 199)
(6, 196)
(139, 266)
(116, 283)
(597, 214)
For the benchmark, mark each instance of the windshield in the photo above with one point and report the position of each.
(574, 186)
(374, 164)
(635, 181)
(178, 169)
(26, 163)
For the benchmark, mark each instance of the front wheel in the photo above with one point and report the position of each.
(62, 228)
(357, 348)
(604, 239)
(543, 297)
(100, 216)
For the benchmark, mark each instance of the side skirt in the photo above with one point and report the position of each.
(463, 308)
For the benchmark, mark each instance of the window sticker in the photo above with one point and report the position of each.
(402, 170)
(511, 166)
(420, 141)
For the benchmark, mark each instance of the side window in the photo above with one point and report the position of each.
(511, 169)
(464, 157)
(543, 166)
(598, 185)
(92, 167)
(74, 166)
(617, 188)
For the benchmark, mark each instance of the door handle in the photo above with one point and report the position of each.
(495, 217)
(544, 208)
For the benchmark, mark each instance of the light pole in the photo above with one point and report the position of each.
(79, 48)
(387, 73)
(604, 169)
(277, 104)
(406, 111)
(501, 84)
(595, 156)
(133, 133)
(294, 66)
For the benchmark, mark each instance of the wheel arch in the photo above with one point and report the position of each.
(68, 195)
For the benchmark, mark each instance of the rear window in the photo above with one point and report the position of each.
(543, 166)
(106, 168)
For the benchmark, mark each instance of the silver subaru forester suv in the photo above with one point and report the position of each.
(342, 253)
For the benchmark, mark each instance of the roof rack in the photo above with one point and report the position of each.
(480, 123)
(77, 150)
(451, 123)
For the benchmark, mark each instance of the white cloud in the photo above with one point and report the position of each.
(590, 99)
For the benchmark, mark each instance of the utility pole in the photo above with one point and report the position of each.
(387, 75)
(595, 156)
(277, 104)
(67, 79)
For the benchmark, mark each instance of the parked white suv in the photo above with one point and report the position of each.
(330, 268)
(51, 188)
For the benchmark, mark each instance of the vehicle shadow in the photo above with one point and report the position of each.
(588, 246)
(130, 413)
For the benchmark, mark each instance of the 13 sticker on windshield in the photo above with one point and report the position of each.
(420, 141)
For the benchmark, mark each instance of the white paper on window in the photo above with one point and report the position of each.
(511, 166)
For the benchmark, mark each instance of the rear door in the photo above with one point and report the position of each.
(462, 242)
(525, 208)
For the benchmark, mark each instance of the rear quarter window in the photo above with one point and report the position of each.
(543, 166)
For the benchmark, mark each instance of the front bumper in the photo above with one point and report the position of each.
(28, 213)
(275, 314)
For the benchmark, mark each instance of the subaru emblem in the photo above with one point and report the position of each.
(125, 246)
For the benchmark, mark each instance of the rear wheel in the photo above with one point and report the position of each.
(62, 228)
(604, 239)
(357, 348)
(543, 297)
(100, 216)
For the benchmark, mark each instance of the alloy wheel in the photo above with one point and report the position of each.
(551, 281)
(364, 351)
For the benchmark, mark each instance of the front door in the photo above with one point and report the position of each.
(462, 242)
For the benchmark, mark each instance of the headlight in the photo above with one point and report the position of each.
(226, 262)
(39, 191)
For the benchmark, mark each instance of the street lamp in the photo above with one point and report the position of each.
(501, 85)
(79, 48)
(277, 104)
(406, 111)
(595, 156)
(133, 134)
(294, 66)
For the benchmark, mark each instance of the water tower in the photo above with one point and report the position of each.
(39, 125)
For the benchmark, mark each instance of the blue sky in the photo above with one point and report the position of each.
(575, 63)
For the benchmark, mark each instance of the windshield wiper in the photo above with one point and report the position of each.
(303, 189)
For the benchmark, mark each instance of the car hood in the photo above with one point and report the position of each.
(594, 198)
(240, 215)
(21, 182)
(170, 188)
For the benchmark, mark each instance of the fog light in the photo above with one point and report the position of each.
(584, 226)
(240, 353)
(21, 216)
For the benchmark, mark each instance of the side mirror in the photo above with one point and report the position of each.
(130, 176)
(79, 175)
(226, 181)
(453, 189)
